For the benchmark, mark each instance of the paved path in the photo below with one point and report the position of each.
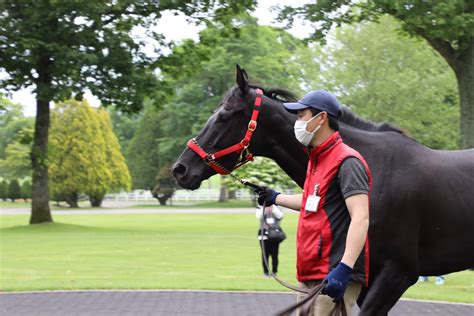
(205, 303)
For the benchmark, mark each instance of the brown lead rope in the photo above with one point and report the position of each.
(305, 304)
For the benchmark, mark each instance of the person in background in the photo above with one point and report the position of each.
(272, 217)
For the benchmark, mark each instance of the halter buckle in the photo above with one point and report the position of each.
(209, 159)
(252, 125)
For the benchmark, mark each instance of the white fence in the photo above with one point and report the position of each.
(179, 195)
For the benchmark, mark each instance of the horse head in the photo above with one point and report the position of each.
(238, 130)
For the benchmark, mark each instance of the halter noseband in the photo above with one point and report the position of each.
(239, 148)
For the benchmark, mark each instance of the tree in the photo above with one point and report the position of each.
(26, 190)
(120, 176)
(448, 26)
(142, 155)
(17, 163)
(385, 77)
(14, 190)
(271, 54)
(124, 126)
(4, 190)
(165, 185)
(262, 171)
(62, 48)
(78, 153)
(12, 122)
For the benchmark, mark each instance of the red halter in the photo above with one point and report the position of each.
(242, 147)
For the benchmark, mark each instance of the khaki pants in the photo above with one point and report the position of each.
(323, 305)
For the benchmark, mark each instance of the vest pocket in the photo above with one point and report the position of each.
(320, 246)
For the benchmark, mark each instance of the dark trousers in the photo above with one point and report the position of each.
(271, 249)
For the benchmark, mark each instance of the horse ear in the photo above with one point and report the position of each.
(241, 79)
(245, 74)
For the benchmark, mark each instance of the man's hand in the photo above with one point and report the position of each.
(268, 196)
(336, 281)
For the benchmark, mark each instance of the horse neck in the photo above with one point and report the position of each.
(274, 139)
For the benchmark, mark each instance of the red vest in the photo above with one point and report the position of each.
(321, 236)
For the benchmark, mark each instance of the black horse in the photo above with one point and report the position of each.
(422, 202)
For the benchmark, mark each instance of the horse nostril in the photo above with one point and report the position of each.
(178, 170)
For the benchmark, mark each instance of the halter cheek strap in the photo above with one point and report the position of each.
(239, 148)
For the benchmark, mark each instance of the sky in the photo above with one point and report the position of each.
(181, 30)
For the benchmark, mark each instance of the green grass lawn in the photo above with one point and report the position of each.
(165, 251)
(153, 204)
(206, 204)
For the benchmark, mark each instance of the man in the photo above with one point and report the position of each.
(332, 243)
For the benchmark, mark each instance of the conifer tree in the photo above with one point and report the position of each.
(4, 190)
(120, 176)
(14, 190)
(78, 161)
(26, 190)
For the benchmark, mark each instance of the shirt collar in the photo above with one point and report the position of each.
(332, 140)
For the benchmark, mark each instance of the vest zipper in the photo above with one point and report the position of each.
(313, 168)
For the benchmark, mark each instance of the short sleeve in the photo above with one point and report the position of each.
(353, 178)
(277, 212)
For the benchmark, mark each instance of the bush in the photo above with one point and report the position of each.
(14, 190)
(26, 190)
(4, 190)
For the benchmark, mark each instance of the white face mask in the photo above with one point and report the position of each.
(302, 135)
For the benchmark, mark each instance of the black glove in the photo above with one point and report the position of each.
(268, 196)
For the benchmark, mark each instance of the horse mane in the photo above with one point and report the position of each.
(350, 118)
(277, 94)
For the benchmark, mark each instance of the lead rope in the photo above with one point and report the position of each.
(305, 304)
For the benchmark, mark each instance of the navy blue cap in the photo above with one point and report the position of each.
(319, 100)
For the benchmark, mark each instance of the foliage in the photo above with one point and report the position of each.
(124, 126)
(384, 77)
(448, 26)
(14, 190)
(61, 48)
(84, 156)
(12, 122)
(4, 190)
(448, 21)
(165, 185)
(142, 155)
(264, 172)
(17, 163)
(72, 45)
(26, 190)
(120, 176)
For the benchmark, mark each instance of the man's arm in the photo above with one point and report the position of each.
(358, 206)
(292, 201)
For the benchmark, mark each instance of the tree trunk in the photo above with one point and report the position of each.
(465, 78)
(232, 194)
(224, 192)
(71, 199)
(162, 200)
(96, 201)
(40, 211)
